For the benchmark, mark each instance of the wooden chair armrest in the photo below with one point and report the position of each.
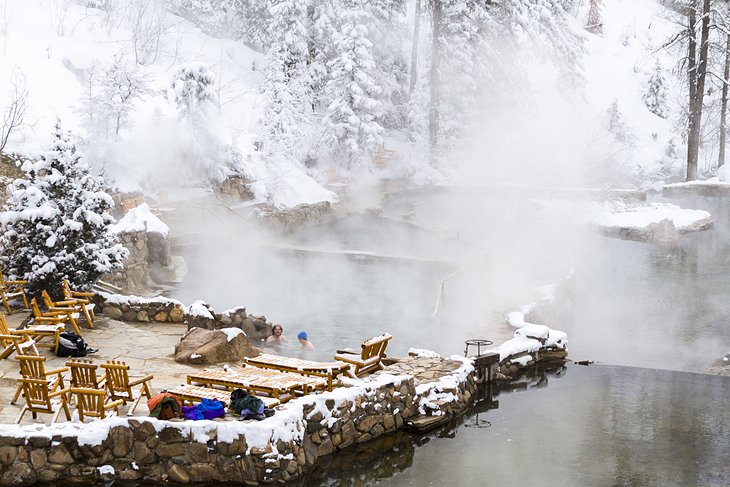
(68, 302)
(141, 380)
(50, 319)
(348, 360)
(60, 392)
(24, 332)
(59, 370)
(349, 350)
(58, 310)
(82, 294)
(114, 404)
(16, 282)
(11, 337)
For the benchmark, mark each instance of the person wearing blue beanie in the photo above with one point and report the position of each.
(304, 341)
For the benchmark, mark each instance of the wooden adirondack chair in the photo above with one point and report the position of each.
(38, 331)
(34, 367)
(120, 387)
(10, 290)
(38, 399)
(83, 374)
(71, 306)
(56, 316)
(91, 403)
(82, 299)
(370, 357)
(68, 313)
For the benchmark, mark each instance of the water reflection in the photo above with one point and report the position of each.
(578, 426)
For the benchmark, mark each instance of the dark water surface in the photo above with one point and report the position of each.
(586, 426)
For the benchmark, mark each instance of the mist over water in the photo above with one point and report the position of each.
(438, 266)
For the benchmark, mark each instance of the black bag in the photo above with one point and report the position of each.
(72, 345)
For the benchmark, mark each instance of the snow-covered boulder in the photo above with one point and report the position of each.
(199, 346)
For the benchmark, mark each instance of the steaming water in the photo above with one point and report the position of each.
(632, 303)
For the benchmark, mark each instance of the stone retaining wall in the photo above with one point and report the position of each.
(165, 310)
(276, 450)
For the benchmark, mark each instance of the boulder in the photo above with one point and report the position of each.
(200, 346)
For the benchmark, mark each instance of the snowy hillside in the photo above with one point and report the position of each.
(530, 127)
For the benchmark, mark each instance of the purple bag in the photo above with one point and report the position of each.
(207, 409)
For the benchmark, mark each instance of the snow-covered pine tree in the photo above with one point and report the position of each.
(193, 88)
(655, 97)
(353, 115)
(290, 32)
(280, 125)
(56, 224)
(205, 155)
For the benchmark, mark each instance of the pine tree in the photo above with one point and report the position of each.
(280, 126)
(56, 224)
(655, 97)
(204, 155)
(192, 88)
(353, 115)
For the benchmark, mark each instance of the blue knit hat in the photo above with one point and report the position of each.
(302, 335)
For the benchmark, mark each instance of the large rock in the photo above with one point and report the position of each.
(200, 346)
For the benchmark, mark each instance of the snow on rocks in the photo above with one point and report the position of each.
(531, 344)
(138, 219)
(660, 221)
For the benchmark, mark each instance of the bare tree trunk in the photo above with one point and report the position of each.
(697, 75)
(414, 46)
(433, 112)
(723, 112)
(595, 24)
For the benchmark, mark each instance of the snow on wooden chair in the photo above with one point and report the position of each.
(327, 370)
(370, 357)
(38, 332)
(39, 398)
(91, 403)
(61, 308)
(12, 290)
(34, 367)
(54, 317)
(82, 299)
(120, 386)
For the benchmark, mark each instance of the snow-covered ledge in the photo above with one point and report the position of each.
(531, 345)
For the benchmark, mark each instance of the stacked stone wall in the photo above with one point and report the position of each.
(145, 448)
(163, 310)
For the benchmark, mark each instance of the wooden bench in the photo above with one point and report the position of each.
(283, 386)
(326, 370)
(370, 356)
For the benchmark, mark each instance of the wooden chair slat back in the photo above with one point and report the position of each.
(34, 307)
(83, 373)
(47, 301)
(4, 329)
(90, 402)
(36, 394)
(66, 289)
(32, 366)
(117, 376)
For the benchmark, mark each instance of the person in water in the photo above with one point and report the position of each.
(304, 341)
(277, 336)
